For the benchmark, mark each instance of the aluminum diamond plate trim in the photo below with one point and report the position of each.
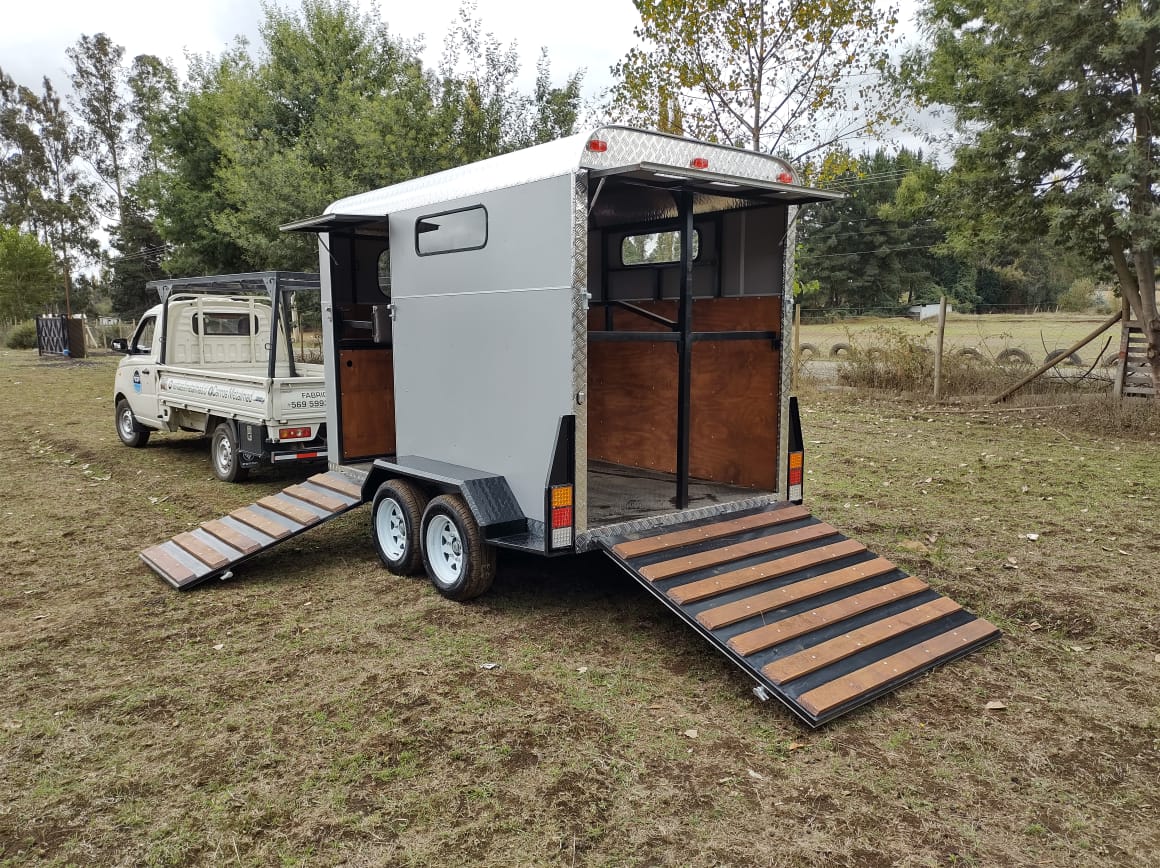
(564, 156)
(627, 146)
(789, 245)
(580, 346)
(595, 538)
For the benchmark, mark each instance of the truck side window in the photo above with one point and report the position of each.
(143, 339)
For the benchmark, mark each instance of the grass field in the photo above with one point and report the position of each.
(990, 334)
(315, 710)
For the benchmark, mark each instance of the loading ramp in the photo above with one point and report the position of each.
(816, 619)
(213, 549)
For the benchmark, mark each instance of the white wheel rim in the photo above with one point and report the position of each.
(127, 424)
(391, 528)
(225, 455)
(444, 550)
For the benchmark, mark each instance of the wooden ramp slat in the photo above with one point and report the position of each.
(715, 557)
(316, 498)
(914, 659)
(337, 482)
(171, 569)
(840, 647)
(651, 545)
(280, 504)
(208, 555)
(219, 545)
(758, 604)
(267, 526)
(231, 537)
(823, 616)
(703, 589)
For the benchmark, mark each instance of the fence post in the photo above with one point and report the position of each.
(797, 343)
(938, 347)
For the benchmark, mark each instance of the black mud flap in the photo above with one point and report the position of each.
(818, 621)
(217, 547)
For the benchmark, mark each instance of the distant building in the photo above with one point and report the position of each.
(926, 311)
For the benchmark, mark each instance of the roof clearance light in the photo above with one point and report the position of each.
(597, 146)
(699, 163)
(785, 178)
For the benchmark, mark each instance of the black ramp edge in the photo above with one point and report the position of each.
(871, 626)
(183, 569)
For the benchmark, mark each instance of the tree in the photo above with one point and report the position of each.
(28, 274)
(100, 98)
(792, 77)
(1056, 107)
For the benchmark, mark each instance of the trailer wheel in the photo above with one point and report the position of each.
(223, 450)
(458, 562)
(131, 432)
(396, 517)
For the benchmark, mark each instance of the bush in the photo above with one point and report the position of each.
(22, 336)
(1079, 297)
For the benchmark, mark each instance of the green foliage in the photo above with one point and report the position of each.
(329, 105)
(1080, 296)
(22, 336)
(100, 98)
(1057, 114)
(887, 245)
(780, 76)
(28, 274)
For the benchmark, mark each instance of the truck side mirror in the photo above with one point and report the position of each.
(119, 345)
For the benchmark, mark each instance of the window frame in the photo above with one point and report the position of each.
(668, 263)
(486, 230)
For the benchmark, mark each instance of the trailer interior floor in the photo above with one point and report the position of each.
(617, 493)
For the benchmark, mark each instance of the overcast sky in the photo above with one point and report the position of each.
(33, 37)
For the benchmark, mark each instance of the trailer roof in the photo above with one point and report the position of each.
(709, 168)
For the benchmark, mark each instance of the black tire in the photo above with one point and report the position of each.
(1072, 359)
(131, 432)
(839, 348)
(1013, 356)
(805, 349)
(458, 562)
(396, 519)
(969, 353)
(223, 454)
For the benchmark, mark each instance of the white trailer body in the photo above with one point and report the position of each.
(579, 346)
(212, 360)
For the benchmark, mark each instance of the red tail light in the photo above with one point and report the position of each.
(785, 178)
(597, 146)
(699, 163)
(561, 515)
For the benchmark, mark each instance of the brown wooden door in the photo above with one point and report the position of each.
(367, 410)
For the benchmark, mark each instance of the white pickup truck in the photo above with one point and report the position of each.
(218, 357)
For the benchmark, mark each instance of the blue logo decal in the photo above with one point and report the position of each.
(136, 381)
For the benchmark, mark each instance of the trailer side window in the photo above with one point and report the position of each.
(224, 324)
(451, 231)
(656, 248)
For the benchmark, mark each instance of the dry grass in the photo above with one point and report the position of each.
(346, 718)
(989, 334)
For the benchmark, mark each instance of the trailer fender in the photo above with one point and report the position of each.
(489, 497)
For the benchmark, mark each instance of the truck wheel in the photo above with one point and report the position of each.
(458, 562)
(396, 517)
(223, 450)
(131, 432)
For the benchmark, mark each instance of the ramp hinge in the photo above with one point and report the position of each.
(761, 693)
